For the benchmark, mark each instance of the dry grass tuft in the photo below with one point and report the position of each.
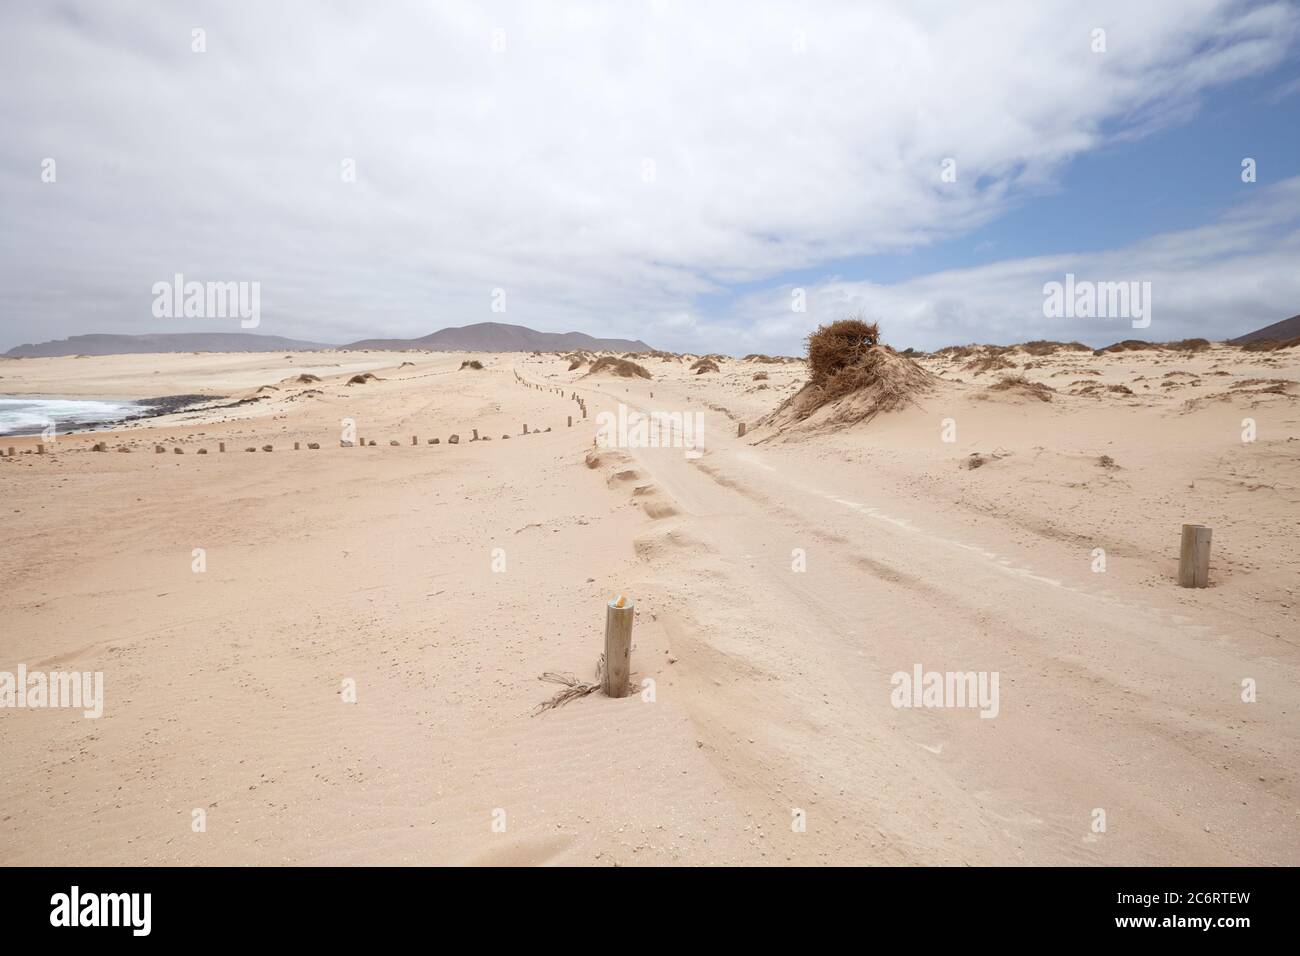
(987, 363)
(617, 366)
(1271, 345)
(840, 345)
(1131, 345)
(862, 380)
(472, 363)
(704, 365)
(1048, 347)
(1023, 386)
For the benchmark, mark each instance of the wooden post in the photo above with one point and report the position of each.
(618, 646)
(740, 430)
(221, 446)
(40, 448)
(295, 446)
(415, 440)
(1194, 557)
(570, 421)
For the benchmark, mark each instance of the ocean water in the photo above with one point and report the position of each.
(29, 416)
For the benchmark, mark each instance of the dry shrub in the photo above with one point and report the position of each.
(1271, 345)
(1048, 347)
(1131, 345)
(362, 379)
(617, 366)
(987, 363)
(1023, 386)
(861, 381)
(957, 351)
(760, 376)
(1189, 345)
(577, 363)
(306, 377)
(840, 345)
(473, 363)
(704, 365)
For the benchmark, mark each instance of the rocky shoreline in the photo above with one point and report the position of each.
(150, 408)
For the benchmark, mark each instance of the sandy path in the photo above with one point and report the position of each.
(1107, 700)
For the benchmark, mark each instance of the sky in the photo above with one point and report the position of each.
(703, 176)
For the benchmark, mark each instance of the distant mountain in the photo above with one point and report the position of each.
(1278, 332)
(105, 344)
(498, 337)
(484, 337)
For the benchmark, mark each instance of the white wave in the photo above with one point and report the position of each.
(27, 416)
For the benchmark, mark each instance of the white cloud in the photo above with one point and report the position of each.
(524, 169)
(1241, 272)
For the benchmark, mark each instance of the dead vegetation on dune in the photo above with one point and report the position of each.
(622, 368)
(1040, 347)
(1270, 345)
(704, 365)
(1019, 385)
(1141, 345)
(987, 363)
(472, 363)
(853, 374)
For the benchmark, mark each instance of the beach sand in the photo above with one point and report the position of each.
(443, 580)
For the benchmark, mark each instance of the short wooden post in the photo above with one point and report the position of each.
(570, 421)
(618, 646)
(740, 430)
(11, 451)
(295, 446)
(40, 448)
(415, 440)
(221, 446)
(1194, 557)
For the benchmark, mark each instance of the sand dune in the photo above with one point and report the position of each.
(443, 580)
